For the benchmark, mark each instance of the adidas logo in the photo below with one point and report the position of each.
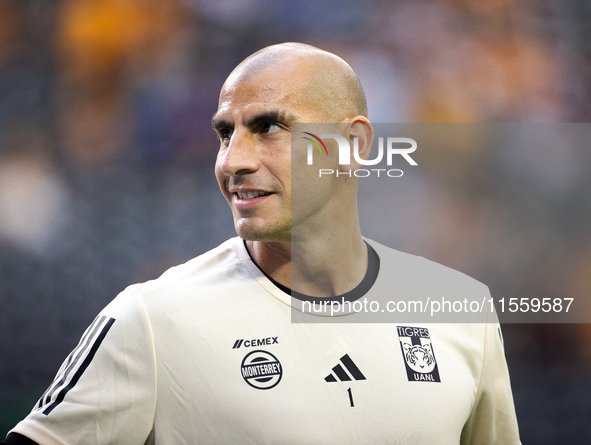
(342, 375)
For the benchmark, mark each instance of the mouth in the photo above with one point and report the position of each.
(249, 199)
(251, 194)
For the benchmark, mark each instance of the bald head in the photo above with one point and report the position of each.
(320, 77)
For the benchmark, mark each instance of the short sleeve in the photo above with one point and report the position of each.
(105, 391)
(493, 419)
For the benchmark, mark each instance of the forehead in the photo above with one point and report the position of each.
(282, 89)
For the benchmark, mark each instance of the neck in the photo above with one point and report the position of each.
(322, 266)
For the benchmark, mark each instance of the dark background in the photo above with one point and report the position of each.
(106, 161)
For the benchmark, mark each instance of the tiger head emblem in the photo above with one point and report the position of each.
(419, 358)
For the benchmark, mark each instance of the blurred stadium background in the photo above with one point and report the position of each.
(106, 158)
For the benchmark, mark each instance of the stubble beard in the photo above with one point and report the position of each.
(272, 231)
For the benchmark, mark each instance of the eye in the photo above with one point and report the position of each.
(269, 127)
(225, 134)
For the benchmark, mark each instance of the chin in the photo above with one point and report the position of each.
(250, 233)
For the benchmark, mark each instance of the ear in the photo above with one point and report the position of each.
(361, 130)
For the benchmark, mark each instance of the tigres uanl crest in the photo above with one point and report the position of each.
(418, 354)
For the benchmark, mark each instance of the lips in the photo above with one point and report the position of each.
(251, 194)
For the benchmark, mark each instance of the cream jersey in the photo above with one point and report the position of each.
(207, 354)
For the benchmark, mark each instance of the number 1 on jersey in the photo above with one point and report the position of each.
(351, 397)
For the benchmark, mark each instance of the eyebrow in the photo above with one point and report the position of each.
(219, 124)
(281, 116)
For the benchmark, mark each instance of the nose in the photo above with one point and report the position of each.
(240, 156)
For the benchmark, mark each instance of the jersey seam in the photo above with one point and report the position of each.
(484, 356)
(146, 315)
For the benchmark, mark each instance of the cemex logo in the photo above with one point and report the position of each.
(393, 147)
(255, 342)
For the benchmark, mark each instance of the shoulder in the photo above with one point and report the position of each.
(217, 262)
(418, 273)
(211, 273)
(226, 255)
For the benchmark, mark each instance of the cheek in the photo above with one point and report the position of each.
(286, 183)
(278, 165)
(221, 178)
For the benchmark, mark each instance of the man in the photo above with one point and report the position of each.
(207, 352)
